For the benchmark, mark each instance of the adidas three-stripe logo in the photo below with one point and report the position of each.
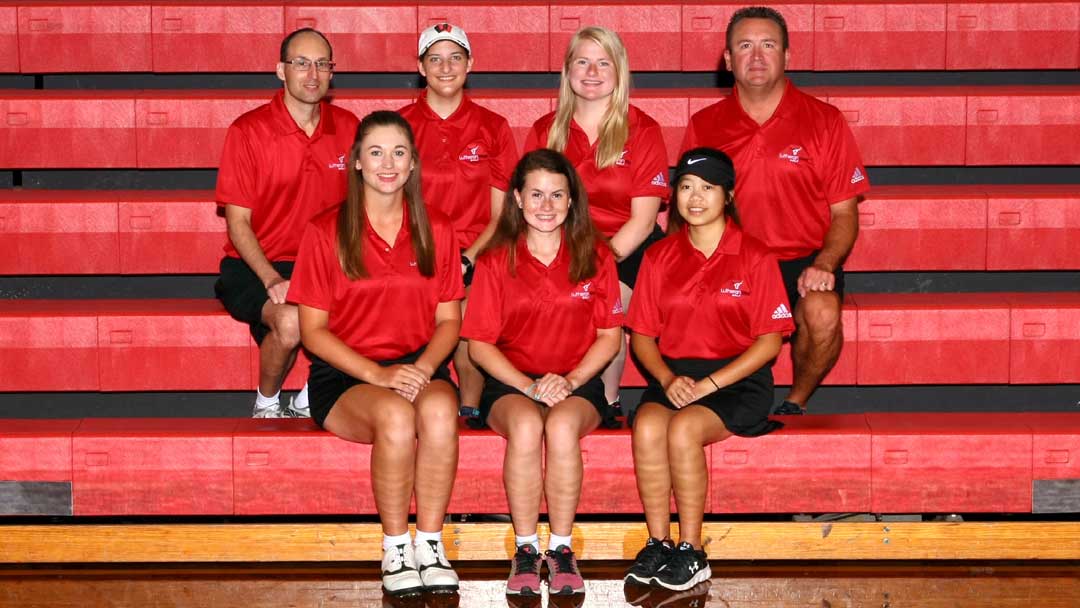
(781, 312)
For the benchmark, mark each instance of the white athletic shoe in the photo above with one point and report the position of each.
(294, 411)
(399, 575)
(270, 411)
(435, 569)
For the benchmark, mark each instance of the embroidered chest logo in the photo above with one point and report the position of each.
(623, 161)
(733, 289)
(473, 153)
(791, 154)
(339, 165)
(583, 292)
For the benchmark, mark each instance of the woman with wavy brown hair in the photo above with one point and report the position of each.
(544, 318)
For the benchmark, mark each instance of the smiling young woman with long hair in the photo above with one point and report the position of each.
(378, 284)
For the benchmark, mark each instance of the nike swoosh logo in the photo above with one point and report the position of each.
(691, 161)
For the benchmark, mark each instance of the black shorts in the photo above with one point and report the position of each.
(243, 294)
(743, 406)
(592, 391)
(629, 267)
(791, 269)
(326, 383)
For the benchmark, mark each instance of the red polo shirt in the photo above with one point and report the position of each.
(391, 312)
(709, 308)
(541, 321)
(462, 158)
(641, 171)
(272, 167)
(787, 171)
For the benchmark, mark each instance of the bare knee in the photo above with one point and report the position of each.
(684, 433)
(284, 323)
(526, 432)
(650, 428)
(819, 313)
(561, 432)
(436, 418)
(396, 424)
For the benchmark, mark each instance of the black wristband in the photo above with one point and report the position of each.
(466, 276)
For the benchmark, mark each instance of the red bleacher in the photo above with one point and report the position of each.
(925, 228)
(1031, 125)
(243, 35)
(891, 339)
(879, 463)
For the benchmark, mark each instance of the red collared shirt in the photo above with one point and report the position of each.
(391, 312)
(272, 167)
(787, 171)
(642, 170)
(709, 308)
(541, 321)
(462, 157)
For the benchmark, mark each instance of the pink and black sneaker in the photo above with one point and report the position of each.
(564, 578)
(524, 572)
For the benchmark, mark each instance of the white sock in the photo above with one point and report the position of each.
(555, 541)
(422, 537)
(262, 402)
(301, 403)
(389, 542)
(532, 539)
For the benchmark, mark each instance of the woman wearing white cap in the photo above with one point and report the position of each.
(468, 154)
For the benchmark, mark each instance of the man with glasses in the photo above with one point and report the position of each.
(283, 162)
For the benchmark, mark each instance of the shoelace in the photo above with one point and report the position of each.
(655, 554)
(439, 557)
(525, 561)
(563, 560)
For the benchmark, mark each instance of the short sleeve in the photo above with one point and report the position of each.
(484, 314)
(536, 139)
(312, 282)
(237, 170)
(845, 175)
(448, 265)
(651, 166)
(608, 309)
(644, 317)
(770, 311)
(506, 156)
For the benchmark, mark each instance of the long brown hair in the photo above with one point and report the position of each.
(352, 217)
(615, 125)
(578, 230)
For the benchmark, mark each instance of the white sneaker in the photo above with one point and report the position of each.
(435, 569)
(270, 411)
(294, 411)
(399, 575)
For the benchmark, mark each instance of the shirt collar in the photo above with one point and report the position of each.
(730, 242)
(783, 110)
(403, 232)
(287, 126)
(430, 114)
(562, 258)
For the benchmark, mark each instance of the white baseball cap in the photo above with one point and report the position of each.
(443, 31)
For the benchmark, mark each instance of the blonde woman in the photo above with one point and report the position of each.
(616, 149)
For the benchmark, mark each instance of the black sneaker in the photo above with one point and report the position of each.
(649, 560)
(788, 408)
(685, 568)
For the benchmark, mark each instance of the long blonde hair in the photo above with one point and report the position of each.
(615, 125)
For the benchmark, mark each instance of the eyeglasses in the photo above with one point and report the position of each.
(303, 64)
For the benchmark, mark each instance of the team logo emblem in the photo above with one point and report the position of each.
(791, 154)
(659, 180)
(781, 312)
(583, 292)
(857, 176)
(733, 289)
(473, 153)
(622, 162)
(443, 28)
(339, 165)
(617, 309)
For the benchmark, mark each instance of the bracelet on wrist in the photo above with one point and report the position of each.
(713, 381)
